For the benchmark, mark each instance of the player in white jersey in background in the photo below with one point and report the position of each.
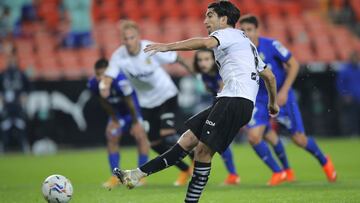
(156, 92)
(213, 129)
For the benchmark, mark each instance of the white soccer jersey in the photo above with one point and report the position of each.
(152, 84)
(238, 63)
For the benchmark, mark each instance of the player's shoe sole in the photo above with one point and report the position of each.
(124, 178)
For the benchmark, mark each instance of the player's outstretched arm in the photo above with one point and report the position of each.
(182, 62)
(292, 69)
(185, 45)
(270, 83)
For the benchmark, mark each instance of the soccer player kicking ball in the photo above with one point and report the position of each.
(156, 92)
(213, 129)
(285, 68)
(124, 115)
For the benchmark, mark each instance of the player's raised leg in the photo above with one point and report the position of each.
(279, 149)
(262, 150)
(171, 157)
(233, 177)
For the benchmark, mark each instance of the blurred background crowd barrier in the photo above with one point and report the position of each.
(48, 47)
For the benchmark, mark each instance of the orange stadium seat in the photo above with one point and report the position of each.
(150, 30)
(26, 60)
(3, 62)
(24, 45)
(291, 8)
(170, 9)
(356, 7)
(70, 63)
(302, 52)
(48, 68)
(111, 11)
(48, 10)
(88, 58)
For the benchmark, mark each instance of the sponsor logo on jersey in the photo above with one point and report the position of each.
(141, 75)
(210, 123)
(283, 51)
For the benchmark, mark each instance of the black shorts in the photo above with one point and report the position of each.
(217, 125)
(160, 117)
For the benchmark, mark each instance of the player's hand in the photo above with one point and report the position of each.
(273, 110)
(113, 127)
(155, 48)
(137, 129)
(104, 89)
(282, 97)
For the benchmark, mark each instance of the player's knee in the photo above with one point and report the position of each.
(188, 140)
(203, 153)
(254, 139)
(300, 139)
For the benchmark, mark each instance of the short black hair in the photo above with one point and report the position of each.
(196, 59)
(101, 63)
(228, 9)
(249, 19)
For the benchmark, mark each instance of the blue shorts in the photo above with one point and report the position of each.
(289, 116)
(125, 124)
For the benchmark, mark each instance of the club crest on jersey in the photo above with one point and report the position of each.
(262, 56)
(148, 61)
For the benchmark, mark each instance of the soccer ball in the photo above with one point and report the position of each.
(57, 189)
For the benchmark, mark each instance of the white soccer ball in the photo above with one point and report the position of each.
(57, 189)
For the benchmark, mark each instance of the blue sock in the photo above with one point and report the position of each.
(264, 153)
(315, 150)
(281, 154)
(142, 159)
(228, 161)
(114, 159)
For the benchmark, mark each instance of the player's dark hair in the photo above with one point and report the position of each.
(101, 63)
(196, 60)
(249, 19)
(228, 9)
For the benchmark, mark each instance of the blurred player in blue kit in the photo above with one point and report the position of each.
(124, 117)
(285, 68)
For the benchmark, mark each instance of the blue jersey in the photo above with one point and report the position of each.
(211, 82)
(274, 54)
(120, 87)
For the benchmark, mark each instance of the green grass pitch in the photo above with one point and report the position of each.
(21, 177)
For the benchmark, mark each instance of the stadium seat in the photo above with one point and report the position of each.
(2, 62)
(70, 64)
(88, 58)
(48, 68)
(26, 60)
(24, 45)
(150, 30)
